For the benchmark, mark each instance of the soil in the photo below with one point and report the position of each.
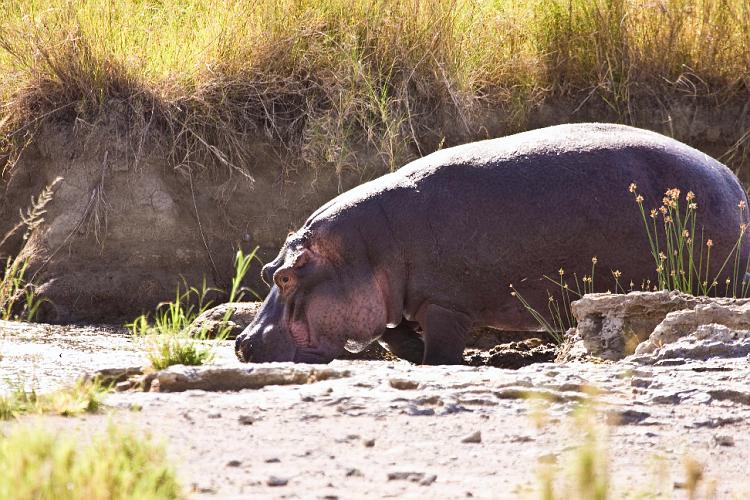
(392, 429)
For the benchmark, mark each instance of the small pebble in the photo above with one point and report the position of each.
(428, 480)
(723, 440)
(474, 437)
(277, 481)
(414, 477)
(214, 415)
(369, 443)
(246, 419)
(234, 463)
(403, 384)
(354, 473)
(272, 460)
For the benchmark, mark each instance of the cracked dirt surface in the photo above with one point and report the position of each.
(391, 429)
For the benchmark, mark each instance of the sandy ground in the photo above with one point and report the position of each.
(394, 430)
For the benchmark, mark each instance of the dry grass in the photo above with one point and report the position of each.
(327, 79)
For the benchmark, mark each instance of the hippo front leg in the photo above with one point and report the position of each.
(404, 341)
(444, 333)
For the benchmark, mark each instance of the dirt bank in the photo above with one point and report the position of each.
(124, 224)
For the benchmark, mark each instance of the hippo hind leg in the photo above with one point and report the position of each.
(404, 341)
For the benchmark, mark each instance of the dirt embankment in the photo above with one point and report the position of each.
(124, 225)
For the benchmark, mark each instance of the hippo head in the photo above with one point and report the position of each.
(319, 301)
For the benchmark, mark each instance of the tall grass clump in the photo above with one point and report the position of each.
(18, 297)
(331, 80)
(682, 256)
(170, 335)
(116, 464)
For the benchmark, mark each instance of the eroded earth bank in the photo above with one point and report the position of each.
(674, 415)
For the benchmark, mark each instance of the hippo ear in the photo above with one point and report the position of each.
(302, 258)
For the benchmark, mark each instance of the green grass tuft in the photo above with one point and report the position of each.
(171, 339)
(115, 465)
(85, 396)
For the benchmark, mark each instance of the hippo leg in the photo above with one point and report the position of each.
(445, 333)
(404, 341)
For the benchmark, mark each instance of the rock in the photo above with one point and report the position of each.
(703, 342)
(180, 378)
(231, 318)
(474, 437)
(272, 460)
(369, 443)
(275, 481)
(403, 384)
(354, 473)
(732, 316)
(612, 326)
(234, 463)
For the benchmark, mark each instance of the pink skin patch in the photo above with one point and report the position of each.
(300, 333)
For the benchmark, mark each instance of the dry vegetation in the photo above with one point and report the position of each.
(328, 79)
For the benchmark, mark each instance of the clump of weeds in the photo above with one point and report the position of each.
(170, 335)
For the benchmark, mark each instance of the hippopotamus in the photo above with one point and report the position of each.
(431, 250)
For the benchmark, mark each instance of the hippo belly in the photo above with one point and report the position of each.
(439, 242)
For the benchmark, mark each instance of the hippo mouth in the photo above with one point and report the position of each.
(298, 328)
(307, 349)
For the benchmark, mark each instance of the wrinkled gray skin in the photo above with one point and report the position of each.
(435, 245)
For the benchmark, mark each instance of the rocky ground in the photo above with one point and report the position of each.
(392, 429)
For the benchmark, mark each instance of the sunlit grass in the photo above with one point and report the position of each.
(84, 396)
(39, 464)
(195, 79)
